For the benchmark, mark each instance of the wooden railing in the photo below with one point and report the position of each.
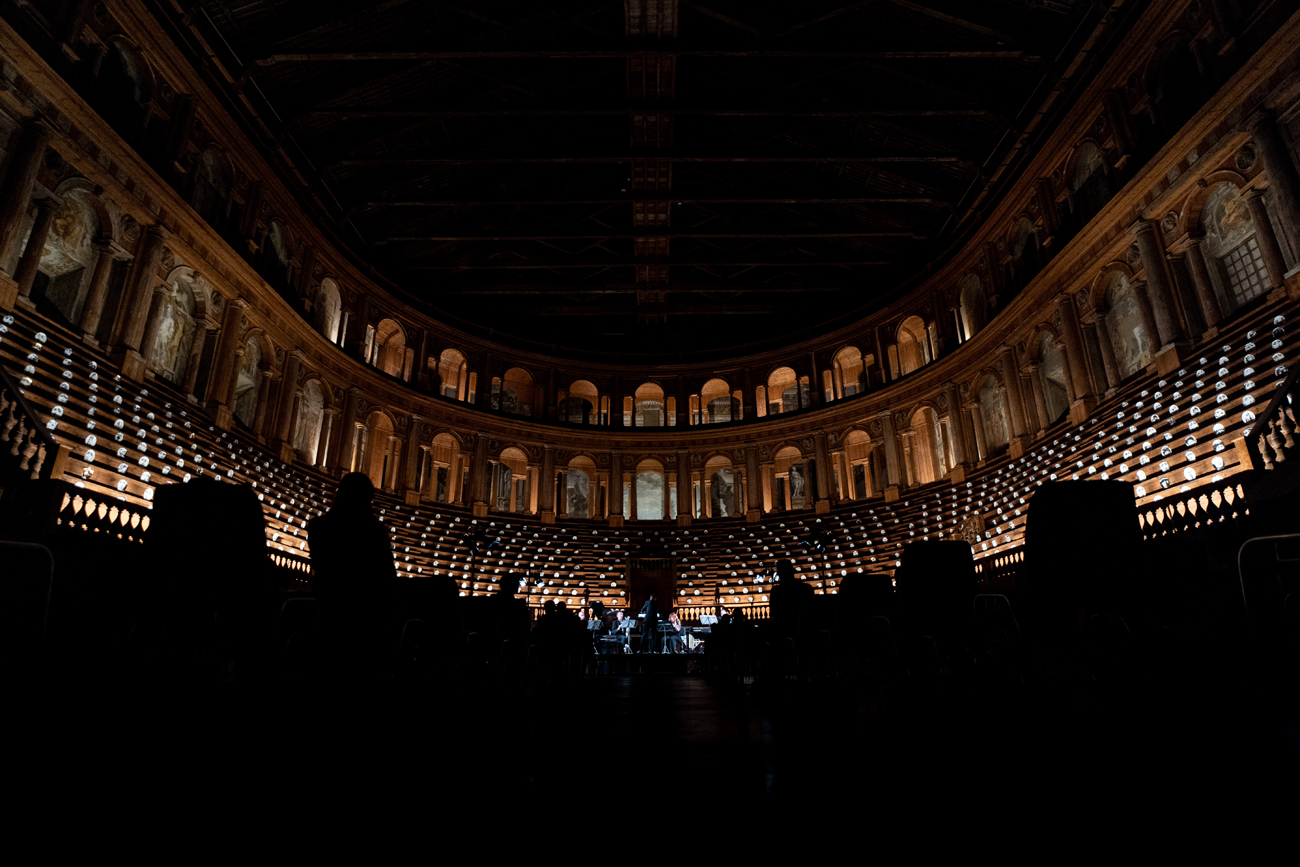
(1271, 439)
(27, 450)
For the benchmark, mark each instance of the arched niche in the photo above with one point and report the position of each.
(927, 453)
(124, 90)
(444, 455)
(974, 305)
(68, 258)
(724, 487)
(211, 188)
(510, 492)
(1052, 377)
(993, 416)
(1232, 251)
(579, 487)
(857, 456)
(1026, 258)
(379, 450)
(1131, 344)
(311, 415)
(793, 481)
(328, 310)
(651, 488)
(248, 381)
(179, 319)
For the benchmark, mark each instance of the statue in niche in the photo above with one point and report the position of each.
(579, 494)
(797, 496)
(176, 329)
(724, 493)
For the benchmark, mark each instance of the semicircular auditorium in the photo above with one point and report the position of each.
(652, 297)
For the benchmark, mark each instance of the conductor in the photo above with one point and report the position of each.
(650, 625)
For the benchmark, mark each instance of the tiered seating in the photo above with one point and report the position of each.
(128, 437)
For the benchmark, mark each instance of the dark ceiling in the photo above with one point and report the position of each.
(649, 176)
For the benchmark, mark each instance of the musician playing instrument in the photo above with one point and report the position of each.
(677, 636)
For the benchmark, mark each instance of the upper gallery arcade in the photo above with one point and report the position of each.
(146, 206)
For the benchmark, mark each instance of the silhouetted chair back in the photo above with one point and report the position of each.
(936, 583)
(1082, 554)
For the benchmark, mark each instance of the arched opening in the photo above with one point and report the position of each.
(974, 306)
(329, 310)
(993, 416)
(860, 482)
(311, 414)
(386, 347)
(248, 383)
(716, 403)
(913, 345)
(170, 353)
(453, 374)
(513, 393)
(649, 408)
(579, 488)
(67, 259)
(792, 481)
(379, 451)
(648, 493)
(1051, 374)
(1124, 325)
(787, 392)
(848, 372)
(1231, 249)
(580, 405)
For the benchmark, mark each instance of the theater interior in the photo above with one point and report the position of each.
(856, 404)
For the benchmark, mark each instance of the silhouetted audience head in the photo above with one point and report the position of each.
(355, 493)
(785, 570)
(549, 607)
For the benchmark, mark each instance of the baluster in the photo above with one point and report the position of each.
(1286, 424)
(18, 435)
(37, 462)
(1264, 453)
(10, 419)
(1275, 442)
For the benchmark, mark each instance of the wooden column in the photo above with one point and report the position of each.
(16, 194)
(106, 255)
(546, 495)
(1283, 182)
(1160, 291)
(29, 262)
(1205, 296)
(1265, 237)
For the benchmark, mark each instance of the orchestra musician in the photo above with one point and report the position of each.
(677, 637)
(650, 625)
